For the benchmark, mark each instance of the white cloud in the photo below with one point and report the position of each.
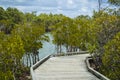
(70, 2)
(84, 9)
(20, 0)
(67, 7)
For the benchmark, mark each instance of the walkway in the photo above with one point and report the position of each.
(64, 68)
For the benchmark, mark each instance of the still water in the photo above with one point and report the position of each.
(49, 47)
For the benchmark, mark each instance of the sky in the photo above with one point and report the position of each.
(71, 8)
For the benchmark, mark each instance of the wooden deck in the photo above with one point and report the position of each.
(64, 68)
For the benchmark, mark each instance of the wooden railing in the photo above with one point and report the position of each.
(52, 55)
(36, 65)
(99, 75)
(69, 53)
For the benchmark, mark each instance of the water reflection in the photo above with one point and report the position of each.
(49, 47)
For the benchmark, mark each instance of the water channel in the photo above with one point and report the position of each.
(49, 47)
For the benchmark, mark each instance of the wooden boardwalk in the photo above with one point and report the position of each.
(64, 68)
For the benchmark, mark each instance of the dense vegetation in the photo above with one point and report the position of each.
(21, 36)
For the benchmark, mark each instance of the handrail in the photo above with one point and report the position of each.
(33, 67)
(36, 65)
(99, 75)
(69, 53)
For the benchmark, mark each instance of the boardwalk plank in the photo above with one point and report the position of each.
(64, 68)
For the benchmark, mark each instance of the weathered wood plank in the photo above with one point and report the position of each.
(64, 68)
